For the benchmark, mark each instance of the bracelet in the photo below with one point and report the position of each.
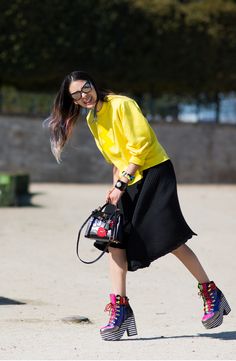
(127, 175)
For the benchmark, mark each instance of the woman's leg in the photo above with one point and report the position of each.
(118, 270)
(121, 314)
(215, 303)
(191, 262)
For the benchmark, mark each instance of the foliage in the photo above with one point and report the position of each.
(155, 46)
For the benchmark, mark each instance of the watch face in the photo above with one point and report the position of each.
(118, 184)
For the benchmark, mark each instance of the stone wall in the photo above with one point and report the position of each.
(201, 153)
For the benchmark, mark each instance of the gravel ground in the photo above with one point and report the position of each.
(43, 283)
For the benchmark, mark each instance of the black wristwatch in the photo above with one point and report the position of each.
(121, 185)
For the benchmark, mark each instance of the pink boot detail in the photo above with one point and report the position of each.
(215, 304)
(121, 319)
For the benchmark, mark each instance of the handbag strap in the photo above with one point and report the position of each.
(79, 234)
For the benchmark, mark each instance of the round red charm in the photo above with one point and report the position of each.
(102, 232)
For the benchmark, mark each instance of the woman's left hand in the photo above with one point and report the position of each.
(114, 196)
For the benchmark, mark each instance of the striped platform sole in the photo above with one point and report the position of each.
(217, 319)
(128, 325)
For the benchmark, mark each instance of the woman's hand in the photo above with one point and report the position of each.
(108, 194)
(113, 196)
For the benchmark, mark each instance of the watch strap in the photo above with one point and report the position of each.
(122, 186)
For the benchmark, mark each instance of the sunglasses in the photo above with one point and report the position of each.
(86, 88)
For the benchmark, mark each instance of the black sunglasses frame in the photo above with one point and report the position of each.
(79, 92)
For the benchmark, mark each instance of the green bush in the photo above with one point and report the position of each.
(13, 188)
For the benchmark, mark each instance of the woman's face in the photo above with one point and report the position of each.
(83, 93)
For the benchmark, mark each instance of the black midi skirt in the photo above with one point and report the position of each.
(153, 224)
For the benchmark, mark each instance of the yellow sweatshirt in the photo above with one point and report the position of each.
(123, 135)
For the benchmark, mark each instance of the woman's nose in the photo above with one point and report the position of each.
(83, 95)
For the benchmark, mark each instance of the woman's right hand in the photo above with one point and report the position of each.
(108, 194)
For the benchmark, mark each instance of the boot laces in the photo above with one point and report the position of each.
(208, 299)
(113, 310)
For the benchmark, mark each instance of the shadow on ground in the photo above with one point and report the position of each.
(228, 335)
(26, 200)
(8, 301)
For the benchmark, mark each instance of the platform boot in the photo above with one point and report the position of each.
(215, 305)
(121, 319)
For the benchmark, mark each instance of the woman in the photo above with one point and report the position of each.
(144, 188)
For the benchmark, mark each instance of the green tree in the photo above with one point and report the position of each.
(155, 46)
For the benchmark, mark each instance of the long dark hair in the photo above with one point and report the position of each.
(65, 112)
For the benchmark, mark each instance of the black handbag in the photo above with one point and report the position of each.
(104, 223)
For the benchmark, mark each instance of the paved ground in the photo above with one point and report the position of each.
(42, 282)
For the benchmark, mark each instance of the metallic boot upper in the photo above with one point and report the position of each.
(215, 304)
(121, 319)
(117, 311)
(211, 299)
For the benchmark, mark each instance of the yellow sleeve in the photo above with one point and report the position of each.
(137, 132)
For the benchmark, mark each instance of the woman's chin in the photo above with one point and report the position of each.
(89, 105)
